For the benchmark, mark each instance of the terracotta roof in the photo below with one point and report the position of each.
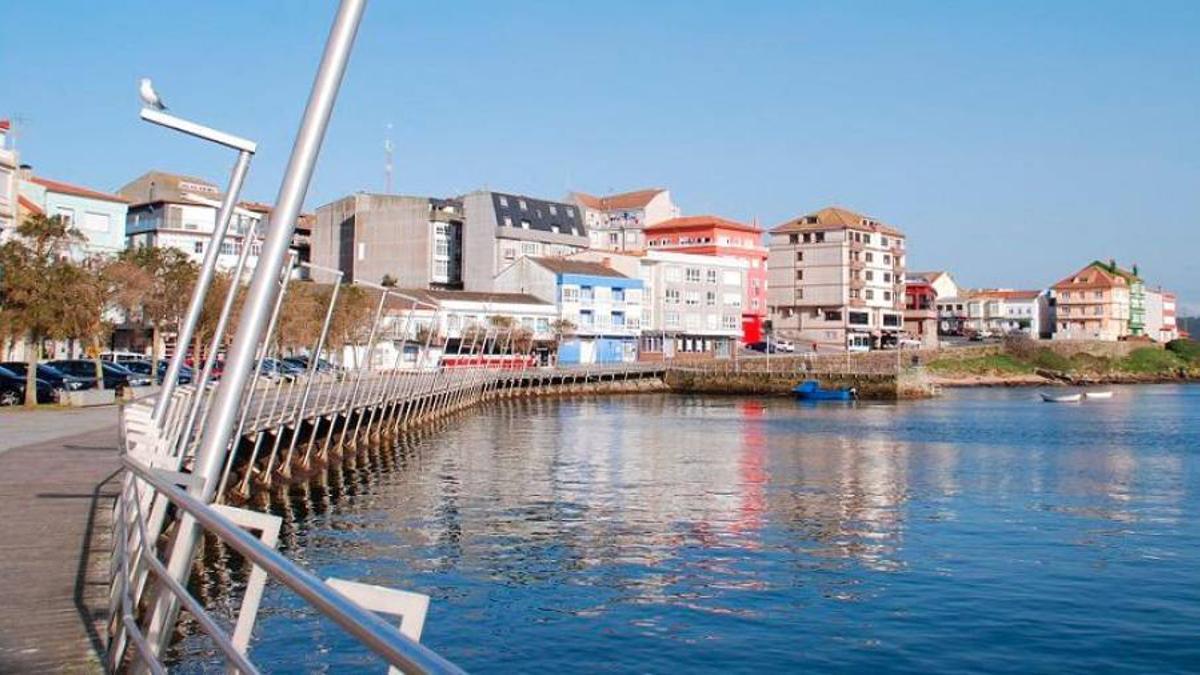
(69, 189)
(1094, 275)
(433, 296)
(5, 125)
(29, 205)
(569, 266)
(836, 218)
(624, 200)
(257, 207)
(705, 221)
(996, 294)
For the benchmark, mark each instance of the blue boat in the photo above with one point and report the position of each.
(811, 390)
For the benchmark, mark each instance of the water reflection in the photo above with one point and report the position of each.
(662, 533)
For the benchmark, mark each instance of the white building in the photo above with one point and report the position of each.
(616, 222)
(1005, 311)
(1160, 315)
(693, 303)
(9, 193)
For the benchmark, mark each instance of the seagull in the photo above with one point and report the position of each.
(149, 96)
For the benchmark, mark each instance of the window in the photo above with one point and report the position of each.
(710, 298)
(833, 315)
(887, 259)
(553, 210)
(692, 299)
(543, 325)
(510, 253)
(198, 247)
(586, 294)
(618, 295)
(859, 318)
(870, 257)
(672, 274)
(891, 319)
(554, 229)
(522, 204)
(614, 238)
(524, 224)
(618, 319)
(586, 318)
(570, 294)
(692, 274)
(883, 242)
(672, 296)
(799, 256)
(503, 200)
(887, 295)
(711, 276)
(67, 215)
(887, 276)
(97, 222)
(570, 212)
(508, 221)
(854, 294)
(529, 248)
(869, 294)
(818, 237)
(733, 299)
(793, 239)
(808, 237)
(799, 275)
(870, 275)
(671, 319)
(866, 238)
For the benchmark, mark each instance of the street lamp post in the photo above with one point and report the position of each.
(218, 428)
(246, 150)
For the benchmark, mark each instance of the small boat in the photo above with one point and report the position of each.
(1062, 398)
(811, 390)
(1096, 395)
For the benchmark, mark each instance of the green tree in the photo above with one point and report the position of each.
(172, 277)
(39, 289)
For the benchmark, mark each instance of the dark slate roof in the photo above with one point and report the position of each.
(432, 296)
(542, 215)
(568, 266)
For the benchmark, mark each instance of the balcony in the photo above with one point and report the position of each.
(857, 283)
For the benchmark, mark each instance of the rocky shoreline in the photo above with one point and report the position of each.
(1060, 379)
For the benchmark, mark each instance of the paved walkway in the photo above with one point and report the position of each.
(56, 494)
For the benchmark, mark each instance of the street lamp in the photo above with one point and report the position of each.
(245, 150)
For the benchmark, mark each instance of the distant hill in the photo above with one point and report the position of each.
(1191, 324)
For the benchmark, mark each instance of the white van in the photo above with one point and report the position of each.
(118, 357)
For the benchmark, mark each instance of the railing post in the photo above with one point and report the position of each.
(263, 291)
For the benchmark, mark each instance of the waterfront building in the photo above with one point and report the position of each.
(1095, 303)
(500, 228)
(942, 282)
(173, 211)
(99, 216)
(616, 222)
(9, 191)
(1160, 315)
(415, 242)
(603, 306)
(836, 280)
(952, 313)
(713, 236)
(1005, 311)
(692, 304)
(920, 311)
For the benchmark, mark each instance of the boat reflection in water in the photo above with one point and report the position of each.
(663, 533)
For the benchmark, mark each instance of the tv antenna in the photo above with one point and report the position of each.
(387, 161)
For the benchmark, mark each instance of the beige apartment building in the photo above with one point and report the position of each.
(1093, 304)
(836, 280)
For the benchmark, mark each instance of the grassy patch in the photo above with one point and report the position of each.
(996, 364)
(1051, 360)
(1150, 360)
(1188, 350)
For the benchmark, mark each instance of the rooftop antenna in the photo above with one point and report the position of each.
(387, 162)
(14, 133)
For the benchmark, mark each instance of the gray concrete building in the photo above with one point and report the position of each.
(501, 228)
(416, 241)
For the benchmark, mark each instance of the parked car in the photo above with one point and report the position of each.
(59, 380)
(783, 345)
(274, 369)
(301, 362)
(121, 357)
(764, 347)
(116, 377)
(144, 367)
(12, 389)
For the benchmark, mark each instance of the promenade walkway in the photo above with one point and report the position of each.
(56, 495)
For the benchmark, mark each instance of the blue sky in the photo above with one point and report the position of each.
(1013, 141)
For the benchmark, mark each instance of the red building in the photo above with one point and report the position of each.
(920, 311)
(710, 235)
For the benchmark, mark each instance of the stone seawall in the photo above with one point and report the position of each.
(872, 387)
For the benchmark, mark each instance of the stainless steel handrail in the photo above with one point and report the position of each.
(373, 632)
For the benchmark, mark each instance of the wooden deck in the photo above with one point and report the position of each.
(55, 511)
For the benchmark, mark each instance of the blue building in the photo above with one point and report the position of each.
(100, 216)
(603, 306)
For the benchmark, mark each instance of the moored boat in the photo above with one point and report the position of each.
(1061, 398)
(811, 390)
(1091, 395)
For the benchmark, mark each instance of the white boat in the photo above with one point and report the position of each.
(1091, 395)
(1062, 398)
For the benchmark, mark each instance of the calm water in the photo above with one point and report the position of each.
(983, 531)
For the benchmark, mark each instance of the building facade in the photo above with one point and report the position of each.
(501, 228)
(1161, 322)
(1093, 304)
(836, 280)
(416, 242)
(920, 312)
(1005, 312)
(602, 305)
(10, 194)
(713, 236)
(99, 216)
(616, 222)
(692, 304)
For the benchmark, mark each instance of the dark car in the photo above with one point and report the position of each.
(115, 377)
(764, 347)
(12, 389)
(57, 379)
(301, 362)
(144, 367)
